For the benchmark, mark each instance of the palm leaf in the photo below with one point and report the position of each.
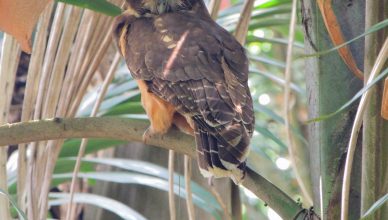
(116, 207)
(101, 6)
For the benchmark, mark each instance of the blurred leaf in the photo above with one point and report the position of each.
(272, 3)
(133, 178)
(63, 165)
(128, 107)
(282, 41)
(14, 205)
(101, 6)
(267, 60)
(375, 206)
(116, 207)
(355, 97)
(116, 100)
(12, 169)
(229, 25)
(272, 11)
(88, 104)
(261, 108)
(268, 134)
(153, 170)
(278, 80)
(232, 18)
(117, 89)
(233, 10)
(268, 22)
(70, 147)
(371, 30)
(134, 116)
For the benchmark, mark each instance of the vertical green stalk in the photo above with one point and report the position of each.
(374, 125)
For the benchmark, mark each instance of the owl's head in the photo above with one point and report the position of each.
(157, 7)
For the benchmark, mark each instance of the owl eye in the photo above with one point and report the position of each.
(162, 6)
(144, 11)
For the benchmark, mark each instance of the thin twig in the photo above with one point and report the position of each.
(379, 64)
(287, 107)
(214, 8)
(220, 201)
(81, 152)
(171, 195)
(243, 22)
(189, 195)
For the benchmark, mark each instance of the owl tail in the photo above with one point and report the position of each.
(222, 154)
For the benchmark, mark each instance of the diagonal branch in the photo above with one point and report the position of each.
(132, 130)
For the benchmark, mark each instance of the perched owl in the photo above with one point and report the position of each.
(192, 74)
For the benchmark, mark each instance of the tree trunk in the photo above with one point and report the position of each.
(375, 129)
(330, 84)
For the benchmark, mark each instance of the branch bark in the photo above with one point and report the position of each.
(132, 130)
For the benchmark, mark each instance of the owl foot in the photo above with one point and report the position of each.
(151, 132)
(148, 134)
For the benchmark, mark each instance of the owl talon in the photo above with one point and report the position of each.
(210, 181)
(148, 135)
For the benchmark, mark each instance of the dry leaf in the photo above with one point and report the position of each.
(384, 104)
(334, 29)
(18, 18)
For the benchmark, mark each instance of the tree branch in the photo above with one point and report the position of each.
(132, 130)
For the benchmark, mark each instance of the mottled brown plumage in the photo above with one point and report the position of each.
(188, 67)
